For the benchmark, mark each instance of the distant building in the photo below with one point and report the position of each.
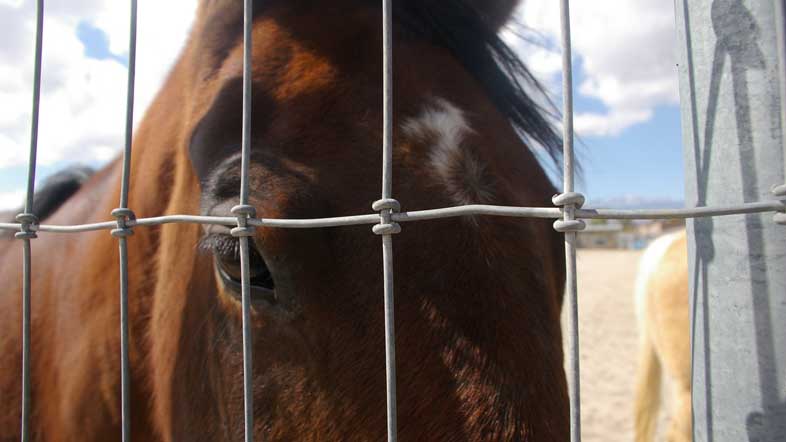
(601, 236)
(634, 235)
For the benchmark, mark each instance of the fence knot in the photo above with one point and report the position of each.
(569, 199)
(243, 213)
(574, 225)
(386, 208)
(26, 221)
(124, 218)
(572, 200)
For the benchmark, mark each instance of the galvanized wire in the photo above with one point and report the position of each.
(569, 226)
(126, 178)
(123, 231)
(125, 370)
(772, 206)
(386, 206)
(31, 165)
(27, 219)
(243, 230)
(248, 398)
(26, 283)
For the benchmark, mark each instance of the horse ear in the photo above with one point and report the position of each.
(495, 12)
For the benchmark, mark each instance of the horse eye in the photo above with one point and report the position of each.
(226, 251)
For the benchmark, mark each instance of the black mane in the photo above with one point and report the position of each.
(458, 27)
(55, 191)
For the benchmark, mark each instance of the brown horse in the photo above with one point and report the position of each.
(664, 345)
(478, 299)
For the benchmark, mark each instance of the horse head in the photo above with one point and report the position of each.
(477, 299)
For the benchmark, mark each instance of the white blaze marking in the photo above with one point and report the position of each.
(446, 127)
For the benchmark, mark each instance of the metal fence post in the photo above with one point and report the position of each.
(729, 75)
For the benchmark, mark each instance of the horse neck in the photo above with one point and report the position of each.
(161, 180)
(494, 326)
(477, 336)
(162, 183)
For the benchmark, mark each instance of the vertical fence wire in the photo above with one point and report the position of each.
(570, 236)
(244, 232)
(386, 213)
(694, 259)
(26, 219)
(387, 105)
(125, 380)
(39, 34)
(246, 140)
(26, 266)
(124, 185)
(123, 214)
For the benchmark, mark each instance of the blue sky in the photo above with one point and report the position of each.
(96, 43)
(627, 161)
(644, 160)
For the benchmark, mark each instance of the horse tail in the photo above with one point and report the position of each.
(648, 381)
(648, 376)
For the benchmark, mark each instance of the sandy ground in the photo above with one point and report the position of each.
(608, 341)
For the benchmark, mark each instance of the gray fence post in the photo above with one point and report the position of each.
(731, 103)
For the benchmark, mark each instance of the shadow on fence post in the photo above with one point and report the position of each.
(734, 153)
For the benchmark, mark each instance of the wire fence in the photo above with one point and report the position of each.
(568, 213)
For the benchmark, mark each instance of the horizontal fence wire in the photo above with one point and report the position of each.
(776, 205)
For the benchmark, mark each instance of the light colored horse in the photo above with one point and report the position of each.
(664, 330)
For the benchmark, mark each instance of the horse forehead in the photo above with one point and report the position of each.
(283, 65)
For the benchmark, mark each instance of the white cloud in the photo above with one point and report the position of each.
(83, 99)
(162, 30)
(11, 200)
(610, 123)
(627, 51)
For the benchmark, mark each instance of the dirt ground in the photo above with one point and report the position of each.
(608, 341)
